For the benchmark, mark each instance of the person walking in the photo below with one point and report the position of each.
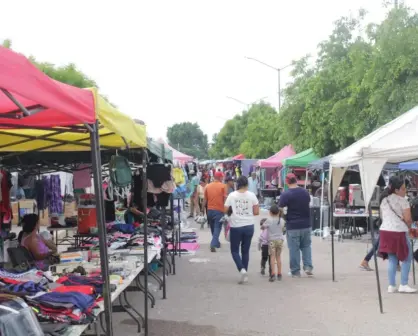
(245, 207)
(298, 226)
(395, 244)
(214, 199)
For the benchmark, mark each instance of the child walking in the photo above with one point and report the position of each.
(263, 246)
(274, 225)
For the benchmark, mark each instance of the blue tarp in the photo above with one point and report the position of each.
(408, 166)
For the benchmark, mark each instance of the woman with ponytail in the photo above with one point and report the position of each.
(245, 207)
(395, 212)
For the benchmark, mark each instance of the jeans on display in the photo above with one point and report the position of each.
(405, 265)
(241, 237)
(299, 241)
(214, 221)
(374, 249)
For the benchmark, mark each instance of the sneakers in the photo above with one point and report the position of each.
(272, 278)
(392, 289)
(263, 271)
(309, 272)
(212, 249)
(406, 289)
(279, 277)
(244, 276)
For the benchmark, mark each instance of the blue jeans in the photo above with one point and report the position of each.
(241, 236)
(405, 266)
(299, 241)
(374, 249)
(214, 221)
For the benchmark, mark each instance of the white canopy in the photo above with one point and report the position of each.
(397, 141)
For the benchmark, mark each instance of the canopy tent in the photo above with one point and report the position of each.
(409, 166)
(301, 159)
(239, 157)
(177, 155)
(160, 150)
(394, 142)
(40, 114)
(27, 92)
(320, 164)
(276, 159)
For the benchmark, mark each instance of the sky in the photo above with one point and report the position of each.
(170, 61)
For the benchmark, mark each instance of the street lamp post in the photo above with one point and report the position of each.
(278, 77)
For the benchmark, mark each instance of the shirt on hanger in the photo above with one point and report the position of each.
(81, 177)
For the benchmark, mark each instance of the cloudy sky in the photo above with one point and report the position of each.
(171, 61)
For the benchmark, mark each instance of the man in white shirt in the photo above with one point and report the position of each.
(253, 184)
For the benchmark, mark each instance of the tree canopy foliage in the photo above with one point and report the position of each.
(189, 139)
(363, 77)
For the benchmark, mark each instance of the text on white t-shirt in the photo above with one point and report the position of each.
(242, 208)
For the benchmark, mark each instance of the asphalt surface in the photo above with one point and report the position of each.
(204, 299)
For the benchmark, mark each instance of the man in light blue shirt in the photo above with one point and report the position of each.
(253, 183)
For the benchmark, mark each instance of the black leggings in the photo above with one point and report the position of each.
(265, 257)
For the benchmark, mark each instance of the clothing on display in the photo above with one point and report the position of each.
(81, 177)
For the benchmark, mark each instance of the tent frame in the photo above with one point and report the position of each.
(94, 137)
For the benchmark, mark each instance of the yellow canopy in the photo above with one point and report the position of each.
(116, 127)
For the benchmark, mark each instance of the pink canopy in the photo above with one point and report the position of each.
(177, 155)
(276, 160)
(239, 157)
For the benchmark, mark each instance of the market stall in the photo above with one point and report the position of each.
(298, 164)
(39, 114)
(394, 142)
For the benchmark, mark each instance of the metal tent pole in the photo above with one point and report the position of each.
(379, 291)
(173, 237)
(144, 206)
(321, 216)
(331, 223)
(97, 169)
(163, 222)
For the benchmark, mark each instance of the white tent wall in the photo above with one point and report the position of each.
(337, 174)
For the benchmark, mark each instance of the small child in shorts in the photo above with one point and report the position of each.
(274, 225)
(263, 246)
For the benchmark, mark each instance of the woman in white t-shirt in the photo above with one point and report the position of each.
(395, 212)
(245, 207)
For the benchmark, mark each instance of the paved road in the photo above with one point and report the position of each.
(204, 299)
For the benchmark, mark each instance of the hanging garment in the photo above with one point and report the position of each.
(178, 176)
(158, 174)
(81, 177)
(54, 193)
(41, 199)
(5, 206)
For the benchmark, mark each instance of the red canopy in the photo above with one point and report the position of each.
(239, 157)
(276, 160)
(51, 103)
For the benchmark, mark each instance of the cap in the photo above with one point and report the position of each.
(289, 177)
(219, 174)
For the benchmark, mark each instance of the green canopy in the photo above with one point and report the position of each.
(157, 148)
(301, 159)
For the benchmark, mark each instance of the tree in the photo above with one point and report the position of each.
(364, 76)
(188, 138)
(252, 133)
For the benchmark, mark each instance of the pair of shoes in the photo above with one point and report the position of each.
(243, 276)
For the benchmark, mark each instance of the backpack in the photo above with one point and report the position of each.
(120, 171)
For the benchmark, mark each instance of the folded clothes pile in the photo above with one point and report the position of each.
(71, 307)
